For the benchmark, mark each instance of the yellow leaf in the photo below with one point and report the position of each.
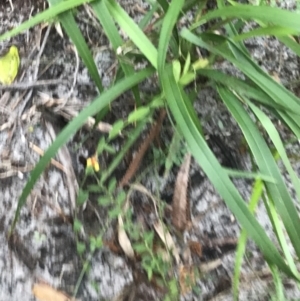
(9, 66)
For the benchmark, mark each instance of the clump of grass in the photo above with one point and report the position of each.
(172, 53)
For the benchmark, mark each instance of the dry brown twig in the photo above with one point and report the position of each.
(33, 84)
(180, 213)
(136, 161)
(11, 170)
(41, 153)
(219, 242)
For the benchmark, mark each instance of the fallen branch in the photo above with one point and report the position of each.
(136, 161)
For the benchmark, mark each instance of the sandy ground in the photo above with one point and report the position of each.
(43, 246)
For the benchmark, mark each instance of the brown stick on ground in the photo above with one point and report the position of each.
(180, 204)
(136, 161)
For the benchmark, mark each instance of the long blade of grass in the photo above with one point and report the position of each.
(133, 31)
(118, 158)
(274, 136)
(245, 89)
(166, 31)
(279, 230)
(43, 17)
(267, 165)
(242, 88)
(241, 60)
(114, 37)
(97, 105)
(272, 30)
(279, 94)
(248, 175)
(188, 123)
(292, 120)
(241, 246)
(68, 22)
(266, 14)
(230, 28)
(148, 17)
(164, 4)
(291, 43)
(279, 287)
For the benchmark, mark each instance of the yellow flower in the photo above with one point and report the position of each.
(92, 162)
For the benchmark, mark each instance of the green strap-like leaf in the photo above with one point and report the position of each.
(241, 247)
(68, 22)
(266, 14)
(266, 165)
(133, 31)
(186, 119)
(279, 94)
(43, 17)
(115, 39)
(275, 137)
(166, 31)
